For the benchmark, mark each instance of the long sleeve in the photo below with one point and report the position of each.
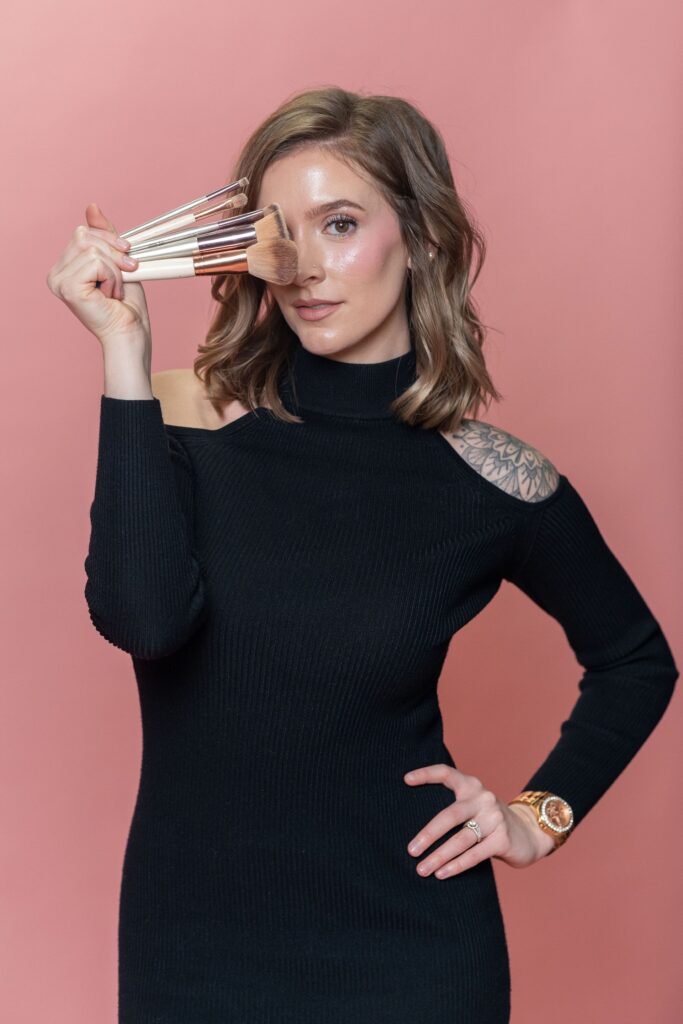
(568, 569)
(144, 589)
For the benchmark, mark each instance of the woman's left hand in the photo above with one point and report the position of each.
(510, 833)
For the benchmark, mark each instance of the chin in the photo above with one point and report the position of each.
(322, 346)
(316, 340)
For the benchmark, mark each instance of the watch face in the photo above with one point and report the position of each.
(557, 813)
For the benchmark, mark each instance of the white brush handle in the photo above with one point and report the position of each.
(159, 270)
(135, 237)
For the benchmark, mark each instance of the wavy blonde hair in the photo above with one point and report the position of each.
(249, 342)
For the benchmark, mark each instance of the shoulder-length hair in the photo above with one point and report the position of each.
(386, 138)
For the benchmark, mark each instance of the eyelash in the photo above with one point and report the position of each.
(342, 219)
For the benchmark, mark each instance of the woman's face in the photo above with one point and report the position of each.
(352, 255)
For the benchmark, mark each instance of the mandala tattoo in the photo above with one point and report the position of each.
(505, 460)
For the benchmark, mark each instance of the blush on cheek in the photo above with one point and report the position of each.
(367, 258)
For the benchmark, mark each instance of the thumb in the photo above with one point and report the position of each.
(96, 219)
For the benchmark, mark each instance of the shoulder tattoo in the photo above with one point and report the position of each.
(505, 460)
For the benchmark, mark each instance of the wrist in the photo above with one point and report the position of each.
(133, 334)
(543, 842)
(127, 365)
(126, 377)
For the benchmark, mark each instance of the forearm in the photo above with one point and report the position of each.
(629, 670)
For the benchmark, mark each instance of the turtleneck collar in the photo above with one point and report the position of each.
(361, 390)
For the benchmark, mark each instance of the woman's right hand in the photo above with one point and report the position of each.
(96, 253)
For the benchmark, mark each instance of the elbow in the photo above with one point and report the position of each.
(640, 668)
(672, 675)
(148, 635)
(655, 665)
(663, 661)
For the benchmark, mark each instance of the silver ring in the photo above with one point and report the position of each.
(475, 828)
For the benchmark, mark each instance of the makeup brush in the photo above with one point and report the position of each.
(232, 203)
(149, 228)
(245, 219)
(274, 260)
(233, 186)
(271, 226)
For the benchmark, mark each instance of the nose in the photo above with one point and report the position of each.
(309, 262)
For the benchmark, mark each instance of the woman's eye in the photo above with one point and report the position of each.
(345, 220)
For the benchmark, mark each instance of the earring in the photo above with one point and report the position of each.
(431, 255)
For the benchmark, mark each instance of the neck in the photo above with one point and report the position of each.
(326, 385)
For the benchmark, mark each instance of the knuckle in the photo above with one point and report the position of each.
(93, 251)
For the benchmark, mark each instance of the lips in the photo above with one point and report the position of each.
(317, 312)
(315, 302)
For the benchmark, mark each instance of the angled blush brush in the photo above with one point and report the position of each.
(227, 223)
(270, 226)
(235, 202)
(240, 219)
(274, 260)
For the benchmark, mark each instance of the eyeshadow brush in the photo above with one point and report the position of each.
(150, 227)
(232, 203)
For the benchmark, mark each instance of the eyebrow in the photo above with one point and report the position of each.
(317, 211)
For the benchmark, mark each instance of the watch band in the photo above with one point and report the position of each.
(534, 799)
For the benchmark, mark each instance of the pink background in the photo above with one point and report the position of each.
(563, 125)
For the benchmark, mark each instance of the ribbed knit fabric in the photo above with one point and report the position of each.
(288, 593)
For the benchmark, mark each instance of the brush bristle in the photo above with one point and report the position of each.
(236, 202)
(274, 260)
(271, 226)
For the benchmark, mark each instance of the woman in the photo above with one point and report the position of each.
(285, 539)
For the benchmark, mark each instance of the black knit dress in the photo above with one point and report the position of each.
(288, 593)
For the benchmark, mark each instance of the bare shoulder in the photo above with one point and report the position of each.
(504, 460)
(184, 402)
(176, 392)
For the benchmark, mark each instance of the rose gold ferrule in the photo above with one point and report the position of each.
(222, 263)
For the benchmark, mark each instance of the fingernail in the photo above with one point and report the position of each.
(128, 261)
(123, 243)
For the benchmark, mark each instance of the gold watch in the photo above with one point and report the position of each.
(553, 814)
